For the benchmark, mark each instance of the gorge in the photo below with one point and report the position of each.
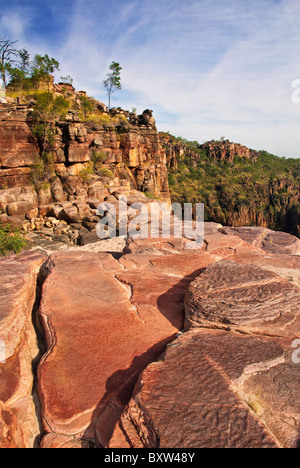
(142, 343)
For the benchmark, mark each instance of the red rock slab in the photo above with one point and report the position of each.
(151, 246)
(17, 146)
(190, 397)
(273, 242)
(97, 344)
(59, 441)
(11, 433)
(17, 297)
(246, 298)
(158, 284)
(227, 245)
(274, 396)
(288, 266)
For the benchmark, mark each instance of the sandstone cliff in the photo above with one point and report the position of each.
(86, 163)
(238, 186)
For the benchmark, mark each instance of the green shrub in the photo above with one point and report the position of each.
(99, 157)
(86, 173)
(106, 172)
(11, 240)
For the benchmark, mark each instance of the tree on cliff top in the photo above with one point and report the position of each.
(113, 81)
(42, 68)
(8, 55)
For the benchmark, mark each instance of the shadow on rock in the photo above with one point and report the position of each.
(119, 390)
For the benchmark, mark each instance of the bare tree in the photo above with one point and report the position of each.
(8, 56)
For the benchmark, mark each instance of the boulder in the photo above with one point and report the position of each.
(78, 152)
(273, 242)
(245, 298)
(215, 389)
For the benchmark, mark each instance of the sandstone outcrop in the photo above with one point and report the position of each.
(19, 424)
(156, 346)
(216, 389)
(220, 380)
(87, 163)
(270, 241)
(225, 150)
(244, 298)
(118, 369)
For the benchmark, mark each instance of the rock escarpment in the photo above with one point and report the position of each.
(85, 164)
(165, 347)
(225, 150)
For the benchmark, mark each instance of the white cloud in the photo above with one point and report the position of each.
(207, 68)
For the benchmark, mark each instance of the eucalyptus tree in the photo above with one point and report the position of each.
(113, 81)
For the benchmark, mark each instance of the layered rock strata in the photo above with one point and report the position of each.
(165, 347)
(86, 163)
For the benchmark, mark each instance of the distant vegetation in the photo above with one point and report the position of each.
(262, 192)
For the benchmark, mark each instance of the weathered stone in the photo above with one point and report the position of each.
(277, 243)
(243, 297)
(18, 201)
(70, 214)
(10, 178)
(17, 145)
(77, 393)
(11, 432)
(192, 397)
(57, 190)
(44, 194)
(17, 295)
(78, 153)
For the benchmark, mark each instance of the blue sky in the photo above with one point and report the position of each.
(207, 68)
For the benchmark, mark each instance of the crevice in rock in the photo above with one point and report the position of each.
(42, 347)
(129, 290)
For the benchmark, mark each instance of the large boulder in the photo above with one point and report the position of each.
(245, 298)
(215, 389)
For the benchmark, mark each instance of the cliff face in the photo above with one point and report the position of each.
(18, 150)
(92, 160)
(225, 150)
(239, 186)
(87, 162)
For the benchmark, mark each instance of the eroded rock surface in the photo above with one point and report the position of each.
(107, 377)
(244, 298)
(197, 395)
(273, 242)
(93, 315)
(18, 350)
